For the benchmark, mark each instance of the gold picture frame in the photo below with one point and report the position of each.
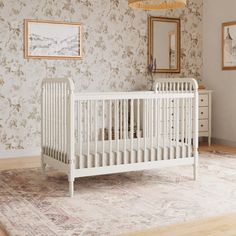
(229, 46)
(152, 38)
(44, 39)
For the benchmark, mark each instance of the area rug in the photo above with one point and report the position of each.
(115, 204)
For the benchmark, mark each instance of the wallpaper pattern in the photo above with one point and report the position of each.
(115, 56)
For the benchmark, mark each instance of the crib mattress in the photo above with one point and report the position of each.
(122, 145)
(113, 152)
(123, 152)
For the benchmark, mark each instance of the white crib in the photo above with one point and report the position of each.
(87, 134)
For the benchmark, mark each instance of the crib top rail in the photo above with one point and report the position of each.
(164, 88)
(129, 95)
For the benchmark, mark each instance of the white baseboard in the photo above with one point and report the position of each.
(20, 153)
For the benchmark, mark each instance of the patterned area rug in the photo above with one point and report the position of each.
(115, 204)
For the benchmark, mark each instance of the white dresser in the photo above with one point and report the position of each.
(205, 114)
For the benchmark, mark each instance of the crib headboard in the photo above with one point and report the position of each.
(57, 118)
(181, 85)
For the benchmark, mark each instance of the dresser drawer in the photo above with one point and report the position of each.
(203, 125)
(203, 100)
(203, 112)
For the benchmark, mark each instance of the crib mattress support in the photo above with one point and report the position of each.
(133, 167)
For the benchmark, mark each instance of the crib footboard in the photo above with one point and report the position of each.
(57, 126)
(89, 134)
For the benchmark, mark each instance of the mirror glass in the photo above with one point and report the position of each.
(164, 44)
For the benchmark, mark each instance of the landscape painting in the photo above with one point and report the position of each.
(229, 46)
(52, 40)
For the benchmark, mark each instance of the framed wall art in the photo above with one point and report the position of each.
(52, 40)
(229, 46)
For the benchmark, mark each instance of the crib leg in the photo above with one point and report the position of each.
(195, 171)
(71, 188)
(43, 166)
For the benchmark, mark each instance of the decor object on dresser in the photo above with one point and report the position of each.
(205, 114)
(52, 40)
(164, 44)
(229, 46)
(157, 4)
(71, 141)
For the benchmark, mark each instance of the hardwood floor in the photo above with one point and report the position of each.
(217, 148)
(218, 226)
(19, 163)
(2, 232)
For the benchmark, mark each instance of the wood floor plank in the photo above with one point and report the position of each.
(215, 226)
(19, 163)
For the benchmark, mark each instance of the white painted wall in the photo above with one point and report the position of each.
(223, 83)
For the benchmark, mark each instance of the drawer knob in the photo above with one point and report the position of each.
(201, 100)
(202, 125)
(202, 113)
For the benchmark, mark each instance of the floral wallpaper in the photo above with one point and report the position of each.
(115, 56)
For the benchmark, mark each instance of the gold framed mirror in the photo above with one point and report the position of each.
(164, 44)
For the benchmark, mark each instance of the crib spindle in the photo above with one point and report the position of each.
(132, 130)
(138, 131)
(117, 111)
(125, 129)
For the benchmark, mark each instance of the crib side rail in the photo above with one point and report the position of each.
(125, 128)
(57, 119)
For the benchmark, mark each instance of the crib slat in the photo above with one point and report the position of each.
(110, 133)
(57, 122)
(138, 130)
(54, 121)
(186, 124)
(51, 121)
(65, 122)
(42, 119)
(117, 111)
(45, 130)
(96, 133)
(189, 127)
(152, 128)
(165, 127)
(177, 128)
(62, 120)
(132, 130)
(182, 123)
(145, 130)
(121, 118)
(103, 130)
(125, 130)
(88, 134)
(158, 130)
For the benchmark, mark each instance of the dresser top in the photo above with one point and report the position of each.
(204, 91)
